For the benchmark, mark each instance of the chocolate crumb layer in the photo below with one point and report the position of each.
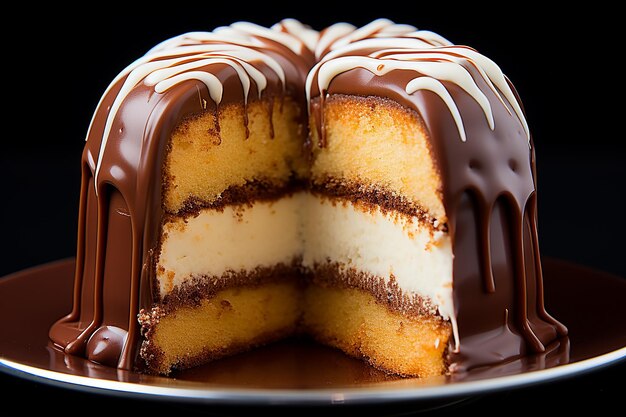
(376, 196)
(196, 289)
(247, 194)
(333, 274)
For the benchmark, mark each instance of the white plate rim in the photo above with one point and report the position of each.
(257, 396)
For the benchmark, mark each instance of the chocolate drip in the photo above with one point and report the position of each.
(245, 120)
(106, 344)
(270, 109)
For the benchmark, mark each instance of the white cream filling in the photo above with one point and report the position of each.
(233, 239)
(319, 230)
(381, 244)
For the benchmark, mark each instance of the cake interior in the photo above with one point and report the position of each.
(261, 240)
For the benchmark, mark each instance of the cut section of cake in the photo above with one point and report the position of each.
(372, 188)
(381, 263)
(231, 238)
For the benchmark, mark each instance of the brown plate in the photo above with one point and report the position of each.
(590, 302)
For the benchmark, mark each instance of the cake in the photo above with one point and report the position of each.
(372, 188)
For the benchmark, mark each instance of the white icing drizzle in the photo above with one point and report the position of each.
(340, 35)
(431, 37)
(309, 37)
(431, 56)
(377, 26)
(289, 41)
(330, 35)
(198, 38)
(432, 72)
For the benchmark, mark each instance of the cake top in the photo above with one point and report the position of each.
(276, 60)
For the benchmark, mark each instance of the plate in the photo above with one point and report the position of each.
(299, 372)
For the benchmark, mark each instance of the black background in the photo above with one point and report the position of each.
(563, 63)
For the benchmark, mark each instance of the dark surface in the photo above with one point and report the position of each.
(560, 64)
(301, 365)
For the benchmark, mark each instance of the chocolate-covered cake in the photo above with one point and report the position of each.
(370, 187)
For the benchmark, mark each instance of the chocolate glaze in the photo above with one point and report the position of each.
(488, 192)
(105, 345)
